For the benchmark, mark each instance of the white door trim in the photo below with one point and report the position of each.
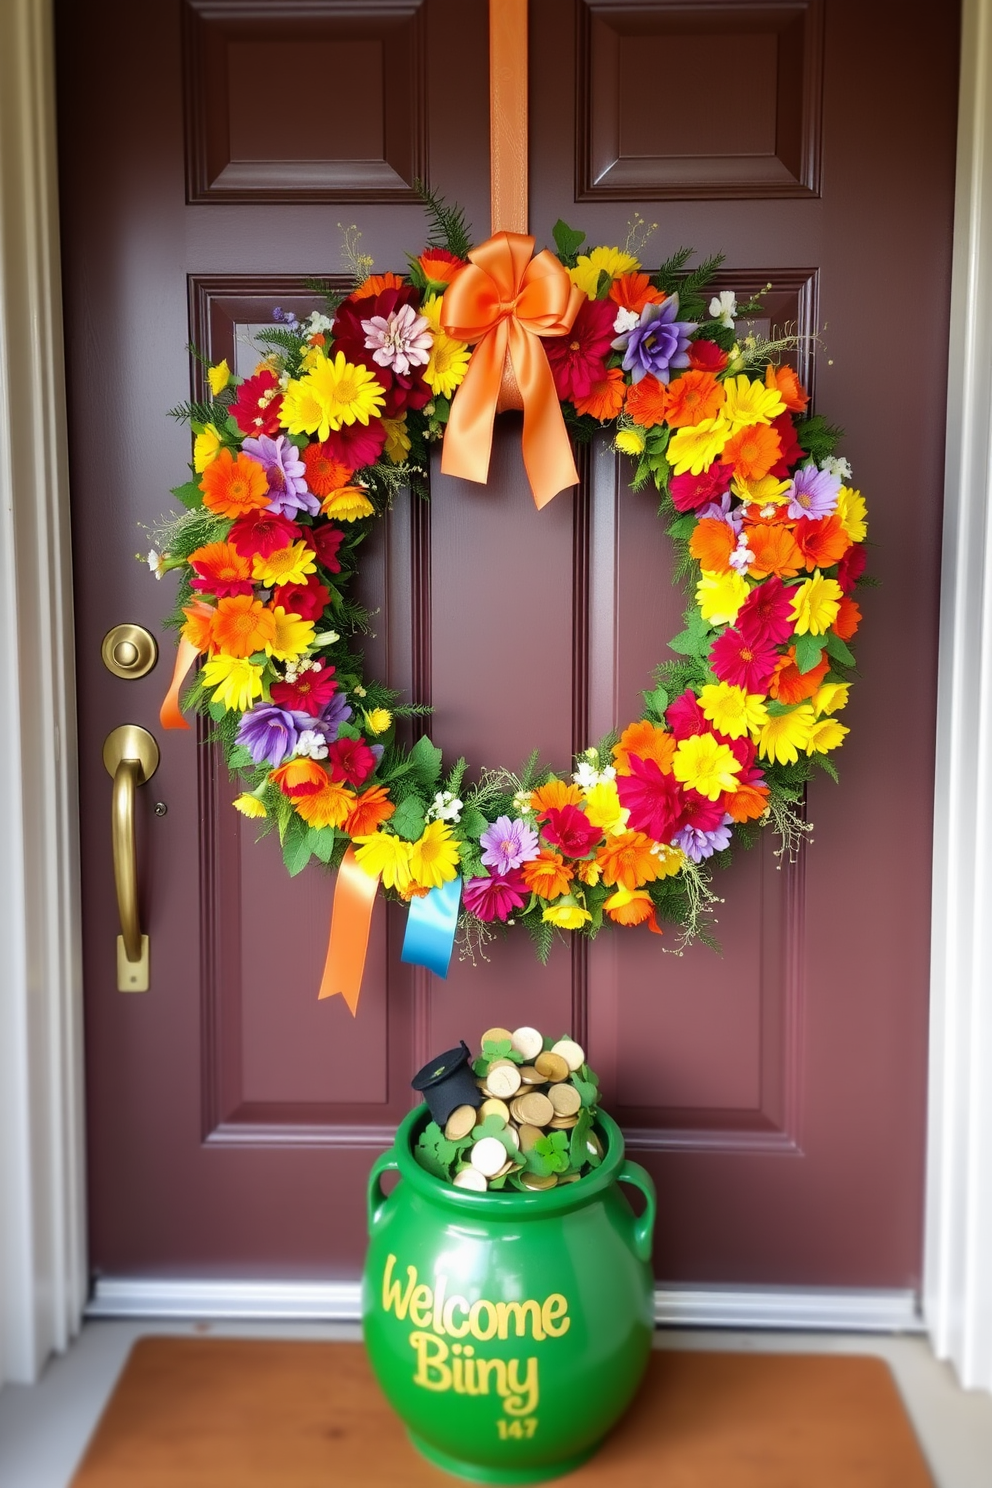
(42, 1172)
(42, 1158)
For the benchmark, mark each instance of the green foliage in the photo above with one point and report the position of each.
(809, 649)
(818, 438)
(542, 934)
(198, 413)
(568, 241)
(448, 228)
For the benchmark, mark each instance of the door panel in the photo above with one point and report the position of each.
(775, 1091)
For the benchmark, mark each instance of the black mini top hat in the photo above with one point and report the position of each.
(448, 1082)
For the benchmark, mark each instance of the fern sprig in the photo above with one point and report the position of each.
(448, 228)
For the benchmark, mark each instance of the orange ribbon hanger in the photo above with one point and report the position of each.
(351, 920)
(506, 301)
(170, 714)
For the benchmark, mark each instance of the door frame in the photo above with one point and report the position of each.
(43, 1275)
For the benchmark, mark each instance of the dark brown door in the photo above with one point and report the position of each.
(209, 151)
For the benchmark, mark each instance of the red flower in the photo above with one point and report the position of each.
(578, 359)
(356, 445)
(351, 761)
(310, 693)
(792, 450)
(307, 600)
(747, 663)
(685, 717)
(654, 800)
(689, 492)
(851, 567)
(570, 829)
(765, 617)
(325, 541)
(256, 408)
(402, 392)
(700, 813)
(263, 532)
(706, 356)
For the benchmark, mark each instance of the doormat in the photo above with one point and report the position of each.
(237, 1413)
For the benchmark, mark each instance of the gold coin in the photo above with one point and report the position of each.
(459, 1123)
(506, 1168)
(481, 1083)
(534, 1108)
(528, 1135)
(572, 1053)
(538, 1181)
(488, 1155)
(552, 1067)
(496, 1036)
(563, 1123)
(527, 1041)
(569, 1177)
(493, 1107)
(470, 1178)
(566, 1099)
(511, 1132)
(503, 1080)
(529, 1075)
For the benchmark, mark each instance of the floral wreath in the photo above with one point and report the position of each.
(293, 465)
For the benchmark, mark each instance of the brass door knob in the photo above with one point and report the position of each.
(131, 757)
(129, 651)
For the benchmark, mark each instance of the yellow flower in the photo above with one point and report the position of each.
(235, 680)
(831, 697)
(333, 393)
(750, 402)
(218, 378)
(347, 504)
(397, 439)
(206, 447)
(826, 734)
(784, 735)
(285, 566)
(434, 856)
(670, 859)
(449, 358)
(602, 807)
(249, 806)
(815, 604)
(706, 766)
(589, 266)
(311, 358)
(764, 492)
(720, 596)
(566, 913)
(378, 720)
(630, 441)
(695, 447)
(383, 854)
(853, 513)
(292, 637)
(732, 711)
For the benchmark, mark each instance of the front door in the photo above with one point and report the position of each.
(212, 151)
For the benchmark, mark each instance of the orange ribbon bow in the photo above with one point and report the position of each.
(505, 300)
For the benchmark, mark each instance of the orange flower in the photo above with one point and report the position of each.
(221, 563)
(439, 270)
(554, 794)
(775, 552)
(242, 625)
(633, 907)
(233, 487)
(324, 474)
(712, 543)
(375, 284)
(822, 542)
(328, 806)
(648, 742)
(752, 451)
(605, 399)
(413, 891)
(791, 390)
(300, 777)
(693, 397)
(746, 803)
(848, 618)
(627, 860)
(647, 401)
(198, 629)
(369, 811)
(633, 291)
(548, 875)
(790, 685)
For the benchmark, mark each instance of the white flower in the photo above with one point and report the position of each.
(447, 807)
(317, 324)
(400, 340)
(587, 775)
(742, 557)
(155, 561)
(837, 465)
(626, 321)
(312, 745)
(326, 638)
(522, 803)
(723, 307)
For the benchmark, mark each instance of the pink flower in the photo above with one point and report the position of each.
(689, 492)
(743, 661)
(685, 717)
(495, 898)
(765, 617)
(654, 800)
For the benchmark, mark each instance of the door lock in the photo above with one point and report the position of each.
(129, 651)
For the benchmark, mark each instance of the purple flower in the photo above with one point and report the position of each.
(698, 845)
(269, 734)
(813, 494)
(286, 475)
(720, 511)
(335, 712)
(657, 343)
(508, 843)
(495, 898)
(285, 317)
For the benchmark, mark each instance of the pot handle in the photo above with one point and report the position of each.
(386, 1162)
(639, 1177)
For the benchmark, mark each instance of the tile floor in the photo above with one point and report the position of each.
(44, 1428)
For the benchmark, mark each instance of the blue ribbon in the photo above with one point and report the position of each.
(430, 928)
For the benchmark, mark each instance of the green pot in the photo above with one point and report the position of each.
(508, 1330)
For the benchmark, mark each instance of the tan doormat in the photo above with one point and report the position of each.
(234, 1413)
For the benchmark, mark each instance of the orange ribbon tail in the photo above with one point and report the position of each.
(351, 920)
(170, 714)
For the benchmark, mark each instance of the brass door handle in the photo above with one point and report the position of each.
(131, 757)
